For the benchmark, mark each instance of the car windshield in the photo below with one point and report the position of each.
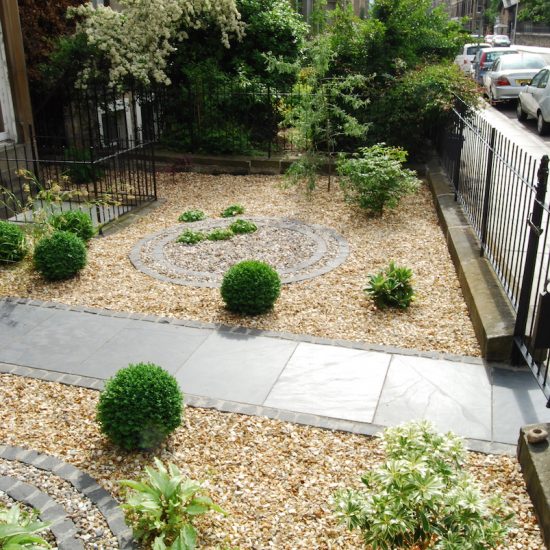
(500, 37)
(520, 62)
(491, 56)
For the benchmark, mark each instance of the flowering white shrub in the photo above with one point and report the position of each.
(138, 40)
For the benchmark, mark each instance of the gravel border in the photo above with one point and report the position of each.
(63, 528)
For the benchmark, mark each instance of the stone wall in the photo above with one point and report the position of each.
(531, 39)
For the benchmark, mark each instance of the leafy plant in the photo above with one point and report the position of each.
(391, 287)
(13, 245)
(18, 529)
(232, 211)
(191, 237)
(375, 179)
(60, 256)
(192, 216)
(250, 287)
(81, 168)
(243, 226)
(140, 406)
(219, 234)
(74, 221)
(422, 497)
(162, 506)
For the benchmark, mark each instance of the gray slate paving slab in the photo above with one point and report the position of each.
(516, 402)
(17, 320)
(165, 345)
(235, 367)
(63, 342)
(454, 396)
(331, 381)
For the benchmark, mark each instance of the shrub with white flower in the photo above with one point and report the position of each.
(137, 41)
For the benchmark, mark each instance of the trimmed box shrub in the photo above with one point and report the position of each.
(60, 256)
(250, 287)
(140, 406)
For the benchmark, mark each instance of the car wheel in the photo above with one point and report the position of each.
(542, 127)
(491, 98)
(521, 114)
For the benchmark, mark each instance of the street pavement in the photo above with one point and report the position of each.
(338, 384)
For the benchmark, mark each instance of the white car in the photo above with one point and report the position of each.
(534, 101)
(510, 74)
(465, 58)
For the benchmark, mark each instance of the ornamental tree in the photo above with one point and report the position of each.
(137, 41)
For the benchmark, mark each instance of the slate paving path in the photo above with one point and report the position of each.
(327, 383)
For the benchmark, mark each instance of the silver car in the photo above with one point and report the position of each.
(510, 74)
(534, 101)
(484, 59)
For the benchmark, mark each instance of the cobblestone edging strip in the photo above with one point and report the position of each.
(63, 528)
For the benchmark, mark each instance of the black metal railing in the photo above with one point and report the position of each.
(502, 190)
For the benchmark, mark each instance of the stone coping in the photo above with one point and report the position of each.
(62, 527)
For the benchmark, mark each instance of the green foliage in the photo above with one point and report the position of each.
(161, 508)
(417, 102)
(391, 287)
(192, 216)
(423, 497)
(18, 529)
(74, 221)
(375, 179)
(537, 11)
(243, 226)
(219, 234)
(250, 287)
(140, 406)
(232, 211)
(191, 237)
(13, 245)
(60, 256)
(81, 168)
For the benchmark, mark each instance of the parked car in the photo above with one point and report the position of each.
(500, 40)
(509, 74)
(488, 38)
(465, 58)
(534, 101)
(484, 59)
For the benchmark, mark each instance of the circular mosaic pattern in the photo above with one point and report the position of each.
(298, 251)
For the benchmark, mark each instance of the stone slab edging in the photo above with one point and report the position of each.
(490, 310)
(62, 527)
(81, 481)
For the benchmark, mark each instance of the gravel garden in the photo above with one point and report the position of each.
(275, 481)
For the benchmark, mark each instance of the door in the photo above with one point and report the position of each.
(529, 99)
(7, 118)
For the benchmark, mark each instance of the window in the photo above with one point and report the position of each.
(7, 118)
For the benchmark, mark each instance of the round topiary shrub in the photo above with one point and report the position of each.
(140, 406)
(12, 243)
(74, 221)
(250, 287)
(60, 256)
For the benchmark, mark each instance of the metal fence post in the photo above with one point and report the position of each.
(530, 260)
(487, 193)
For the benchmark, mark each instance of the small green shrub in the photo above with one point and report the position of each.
(74, 221)
(243, 226)
(232, 211)
(13, 245)
(375, 179)
(191, 237)
(81, 168)
(219, 234)
(391, 287)
(60, 256)
(192, 216)
(140, 406)
(250, 287)
(422, 497)
(18, 529)
(162, 506)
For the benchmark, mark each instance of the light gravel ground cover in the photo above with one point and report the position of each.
(274, 478)
(333, 305)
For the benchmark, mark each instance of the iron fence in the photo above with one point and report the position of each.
(502, 190)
